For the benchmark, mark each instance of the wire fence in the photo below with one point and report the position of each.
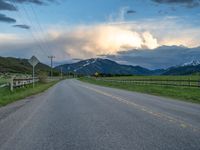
(185, 83)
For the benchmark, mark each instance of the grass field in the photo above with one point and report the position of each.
(6, 96)
(190, 94)
(155, 77)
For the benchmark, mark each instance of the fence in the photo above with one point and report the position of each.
(21, 82)
(4, 85)
(186, 83)
(18, 82)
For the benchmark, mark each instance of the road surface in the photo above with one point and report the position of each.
(74, 115)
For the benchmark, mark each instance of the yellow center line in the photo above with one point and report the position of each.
(171, 119)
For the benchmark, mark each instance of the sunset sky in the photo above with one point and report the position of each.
(150, 33)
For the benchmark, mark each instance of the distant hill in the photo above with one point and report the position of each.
(17, 65)
(188, 68)
(104, 66)
(91, 66)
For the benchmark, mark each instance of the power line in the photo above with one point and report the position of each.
(31, 22)
(31, 32)
(40, 26)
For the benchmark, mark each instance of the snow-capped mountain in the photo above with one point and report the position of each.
(188, 68)
(104, 66)
(192, 63)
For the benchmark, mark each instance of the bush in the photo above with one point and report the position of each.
(43, 77)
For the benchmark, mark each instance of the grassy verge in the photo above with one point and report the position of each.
(182, 93)
(6, 96)
(3, 81)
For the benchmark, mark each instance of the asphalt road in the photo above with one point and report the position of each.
(78, 116)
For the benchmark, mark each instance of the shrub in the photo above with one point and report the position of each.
(43, 77)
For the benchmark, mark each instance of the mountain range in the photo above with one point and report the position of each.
(192, 63)
(93, 65)
(192, 67)
(106, 66)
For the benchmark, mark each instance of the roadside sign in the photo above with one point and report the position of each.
(96, 74)
(33, 61)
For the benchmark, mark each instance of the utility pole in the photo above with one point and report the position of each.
(61, 74)
(51, 58)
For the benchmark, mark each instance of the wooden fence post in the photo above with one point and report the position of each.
(11, 84)
(199, 83)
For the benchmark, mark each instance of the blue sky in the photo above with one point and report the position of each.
(83, 29)
(94, 11)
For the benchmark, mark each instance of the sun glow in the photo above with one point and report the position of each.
(115, 39)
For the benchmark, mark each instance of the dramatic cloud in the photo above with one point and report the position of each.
(170, 30)
(87, 41)
(134, 42)
(187, 3)
(4, 18)
(149, 41)
(23, 26)
(79, 42)
(162, 57)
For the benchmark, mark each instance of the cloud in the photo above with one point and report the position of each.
(131, 12)
(170, 30)
(38, 2)
(149, 41)
(4, 5)
(8, 4)
(110, 39)
(7, 38)
(140, 38)
(161, 57)
(187, 3)
(4, 18)
(87, 41)
(23, 26)
(79, 42)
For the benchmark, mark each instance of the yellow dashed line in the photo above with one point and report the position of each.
(145, 109)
